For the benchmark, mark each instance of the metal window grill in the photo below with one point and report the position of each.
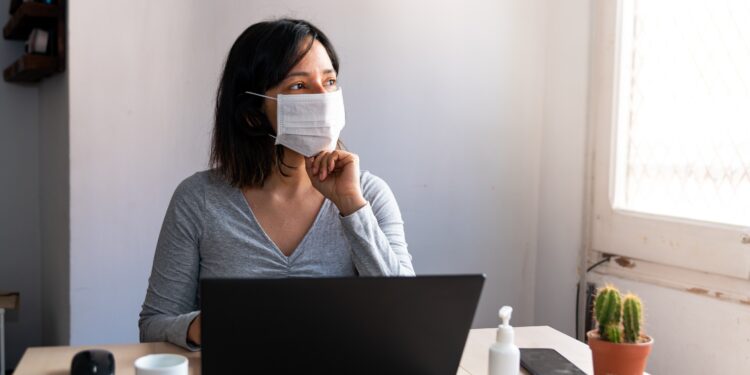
(685, 135)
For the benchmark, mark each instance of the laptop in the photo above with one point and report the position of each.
(358, 325)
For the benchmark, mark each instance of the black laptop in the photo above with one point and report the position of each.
(360, 325)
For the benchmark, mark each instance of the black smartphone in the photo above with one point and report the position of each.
(538, 361)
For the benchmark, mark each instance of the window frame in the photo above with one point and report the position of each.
(674, 252)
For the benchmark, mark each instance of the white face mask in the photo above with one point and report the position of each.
(309, 123)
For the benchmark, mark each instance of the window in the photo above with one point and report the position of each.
(670, 135)
(684, 113)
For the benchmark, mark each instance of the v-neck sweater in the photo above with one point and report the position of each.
(209, 230)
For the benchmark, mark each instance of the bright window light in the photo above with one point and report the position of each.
(683, 124)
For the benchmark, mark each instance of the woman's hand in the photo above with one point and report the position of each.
(336, 175)
(194, 331)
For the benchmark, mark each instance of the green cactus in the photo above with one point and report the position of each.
(632, 316)
(613, 335)
(607, 308)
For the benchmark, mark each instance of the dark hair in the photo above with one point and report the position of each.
(241, 149)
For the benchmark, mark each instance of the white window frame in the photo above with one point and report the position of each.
(700, 257)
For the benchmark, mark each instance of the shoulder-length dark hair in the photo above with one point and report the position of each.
(242, 150)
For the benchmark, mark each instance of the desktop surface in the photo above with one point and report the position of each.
(55, 360)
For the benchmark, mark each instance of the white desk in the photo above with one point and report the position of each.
(476, 352)
(55, 360)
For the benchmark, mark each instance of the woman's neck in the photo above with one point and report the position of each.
(296, 180)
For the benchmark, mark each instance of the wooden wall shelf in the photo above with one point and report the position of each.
(32, 67)
(28, 16)
(9, 300)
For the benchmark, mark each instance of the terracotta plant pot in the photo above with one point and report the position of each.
(618, 359)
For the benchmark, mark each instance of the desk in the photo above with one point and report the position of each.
(476, 352)
(55, 360)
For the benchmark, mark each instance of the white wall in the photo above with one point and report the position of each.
(562, 163)
(445, 106)
(19, 204)
(140, 114)
(443, 100)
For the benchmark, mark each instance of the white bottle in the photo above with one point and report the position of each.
(505, 359)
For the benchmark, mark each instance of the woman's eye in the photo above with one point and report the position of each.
(331, 82)
(297, 86)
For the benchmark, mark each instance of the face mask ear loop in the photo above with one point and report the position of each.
(261, 95)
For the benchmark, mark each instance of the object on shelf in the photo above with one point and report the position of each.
(38, 42)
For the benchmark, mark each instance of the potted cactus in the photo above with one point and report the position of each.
(618, 345)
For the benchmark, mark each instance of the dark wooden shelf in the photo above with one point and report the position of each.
(28, 16)
(9, 300)
(31, 68)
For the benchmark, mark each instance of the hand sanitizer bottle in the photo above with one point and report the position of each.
(505, 359)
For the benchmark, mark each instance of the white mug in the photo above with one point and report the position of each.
(161, 364)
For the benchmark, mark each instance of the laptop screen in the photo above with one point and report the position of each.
(366, 325)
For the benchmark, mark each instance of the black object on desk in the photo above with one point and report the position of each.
(357, 325)
(93, 362)
(538, 361)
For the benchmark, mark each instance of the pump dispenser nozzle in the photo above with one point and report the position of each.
(504, 330)
(504, 315)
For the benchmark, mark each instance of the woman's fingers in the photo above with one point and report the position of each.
(343, 188)
(324, 163)
(319, 165)
(331, 160)
(332, 164)
(316, 163)
(328, 162)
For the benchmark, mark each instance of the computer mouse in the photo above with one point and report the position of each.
(93, 362)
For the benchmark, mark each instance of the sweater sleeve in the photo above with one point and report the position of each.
(376, 232)
(171, 301)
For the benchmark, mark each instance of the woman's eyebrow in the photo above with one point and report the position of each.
(307, 74)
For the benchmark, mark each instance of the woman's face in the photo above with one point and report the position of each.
(314, 74)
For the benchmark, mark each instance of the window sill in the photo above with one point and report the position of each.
(725, 288)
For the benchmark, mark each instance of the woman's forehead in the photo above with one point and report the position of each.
(315, 60)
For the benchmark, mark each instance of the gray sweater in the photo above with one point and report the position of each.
(209, 230)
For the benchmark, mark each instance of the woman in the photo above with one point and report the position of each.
(282, 198)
